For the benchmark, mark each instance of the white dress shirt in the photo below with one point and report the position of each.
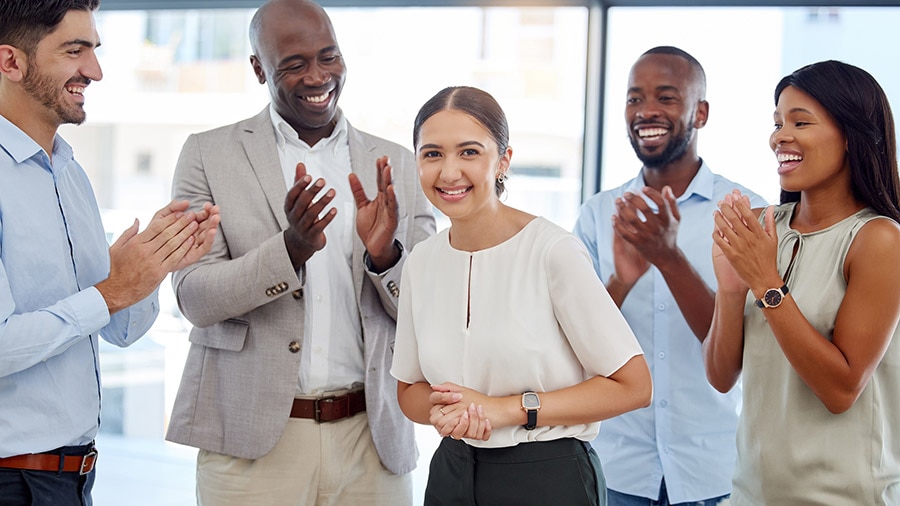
(332, 350)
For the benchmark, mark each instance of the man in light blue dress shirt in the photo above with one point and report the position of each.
(61, 284)
(651, 242)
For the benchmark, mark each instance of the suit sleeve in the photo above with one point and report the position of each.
(219, 287)
(417, 209)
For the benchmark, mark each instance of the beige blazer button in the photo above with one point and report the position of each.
(297, 294)
(393, 288)
(294, 346)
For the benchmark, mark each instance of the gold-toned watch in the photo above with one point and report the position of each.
(773, 297)
(531, 403)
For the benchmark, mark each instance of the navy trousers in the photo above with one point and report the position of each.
(19, 487)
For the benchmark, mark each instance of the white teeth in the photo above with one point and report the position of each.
(75, 90)
(785, 157)
(454, 192)
(317, 100)
(651, 132)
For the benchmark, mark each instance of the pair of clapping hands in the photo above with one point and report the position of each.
(376, 219)
(174, 239)
(744, 251)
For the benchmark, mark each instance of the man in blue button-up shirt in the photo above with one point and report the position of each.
(651, 241)
(61, 284)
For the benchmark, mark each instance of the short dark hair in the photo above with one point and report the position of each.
(674, 51)
(478, 104)
(859, 106)
(23, 23)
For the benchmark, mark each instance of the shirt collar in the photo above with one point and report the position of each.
(21, 147)
(285, 133)
(701, 185)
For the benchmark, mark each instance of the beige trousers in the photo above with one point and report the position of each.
(314, 464)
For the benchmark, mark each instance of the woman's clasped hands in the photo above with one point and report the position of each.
(455, 414)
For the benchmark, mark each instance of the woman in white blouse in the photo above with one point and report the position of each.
(507, 342)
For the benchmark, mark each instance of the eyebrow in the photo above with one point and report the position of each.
(295, 57)
(637, 89)
(796, 110)
(460, 145)
(80, 43)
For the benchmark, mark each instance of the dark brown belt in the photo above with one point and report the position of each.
(329, 409)
(81, 464)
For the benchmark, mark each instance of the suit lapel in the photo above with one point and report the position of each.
(362, 163)
(259, 144)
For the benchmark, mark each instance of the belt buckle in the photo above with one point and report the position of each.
(87, 462)
(318, 409)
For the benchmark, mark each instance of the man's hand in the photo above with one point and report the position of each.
(306, 229)
(140, 261)
(654, 236)
(629, 263)
(376, 220)
(208, 220)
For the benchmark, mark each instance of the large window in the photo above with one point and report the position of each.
(744, 52)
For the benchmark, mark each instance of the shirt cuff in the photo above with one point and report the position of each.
(90, 309)
(368, 261)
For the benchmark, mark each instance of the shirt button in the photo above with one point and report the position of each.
(663, 403)
(318, 298)
(662, 355)
(661, 307)
(294, 347)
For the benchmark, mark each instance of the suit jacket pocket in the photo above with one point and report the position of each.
(229, 335)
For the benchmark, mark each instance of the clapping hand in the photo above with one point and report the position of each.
(305, 234)
(376, 219)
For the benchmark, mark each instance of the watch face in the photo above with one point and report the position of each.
(531, 401)
(772, 297)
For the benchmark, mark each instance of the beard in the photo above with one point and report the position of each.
(674, 150)
(42, 88)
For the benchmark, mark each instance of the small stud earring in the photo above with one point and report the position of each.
(502, 177)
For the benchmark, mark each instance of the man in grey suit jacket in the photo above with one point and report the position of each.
(286, 389)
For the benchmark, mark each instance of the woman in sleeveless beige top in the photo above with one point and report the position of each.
(808, 302)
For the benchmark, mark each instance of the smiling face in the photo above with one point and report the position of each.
(810, 148)
(61, 67)
(459, 163)
(664, 106)
(297, 57)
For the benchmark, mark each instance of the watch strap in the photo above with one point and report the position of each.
(531, 423)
